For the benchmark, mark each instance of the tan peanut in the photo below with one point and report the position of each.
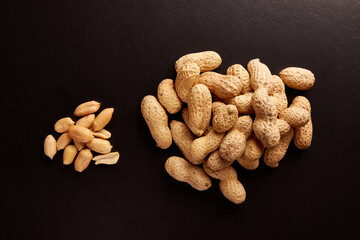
(83, 160)
(102, 119)
(50, 146)
(86, 108)
(224, 116)
(62, 125)
(223, 86)
(234, 142)
(244, 76)
(69, 154)
(199, 109)
(167, 96)
(229, 185)
(99, 145)
(79, 145)
(273, 155)
(86, 121)
(243, 103)
(202, 146)
(63, 141)
(265, 123)
(253, 151)
(109, 159)
(297, 78)
(186, 78)
(207, 61)
(104, 134)
(278, 92)
(295, 116)
(215, 162)
(80, 134)
(260, 75)
(183, 171)
(157, 121)
(182, 137)
(283, 126)
(303, 134)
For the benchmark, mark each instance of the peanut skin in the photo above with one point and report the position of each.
(224, 116)
(157, 121)
(223, 86)
(233, 144)
(207, 61)
(183, 171)
(297, 78)
(199, 109)
(167, 96)
(265, 123)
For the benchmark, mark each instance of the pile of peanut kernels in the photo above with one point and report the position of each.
(240, 116)
(88, 132)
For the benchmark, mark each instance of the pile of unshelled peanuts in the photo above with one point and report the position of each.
(240, 116)
(88, 134)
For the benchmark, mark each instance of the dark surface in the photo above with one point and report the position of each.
(58, 54)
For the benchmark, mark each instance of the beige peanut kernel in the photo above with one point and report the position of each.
(69, 154)
(167, 96)
(244, 76)
(86, 108)
(104, 134)
(224, 116)
(80, 134)
(86, 121)
(102, 119)
(297, 78)
(63, 141)
(157, 121)
(207, 61)
(50, 146)
(62, 125)
(99, 145)
(183, 171)
(79, 145)
(108, 159)
(223, 86)
(83, 160)
(234, 142)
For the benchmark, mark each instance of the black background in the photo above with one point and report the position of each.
(58, 54)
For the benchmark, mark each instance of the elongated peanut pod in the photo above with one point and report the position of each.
(260, 75)
(224, 116)
(297, 78)
(183, 138)
(157, 121)
(186, 78)
(215, 162)
(240, 72)
(223, 86)
(183, 171)
(167, 96)
(303, 134)
(207, 61)
(243, 103)
(229, 185)
(253, 151)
